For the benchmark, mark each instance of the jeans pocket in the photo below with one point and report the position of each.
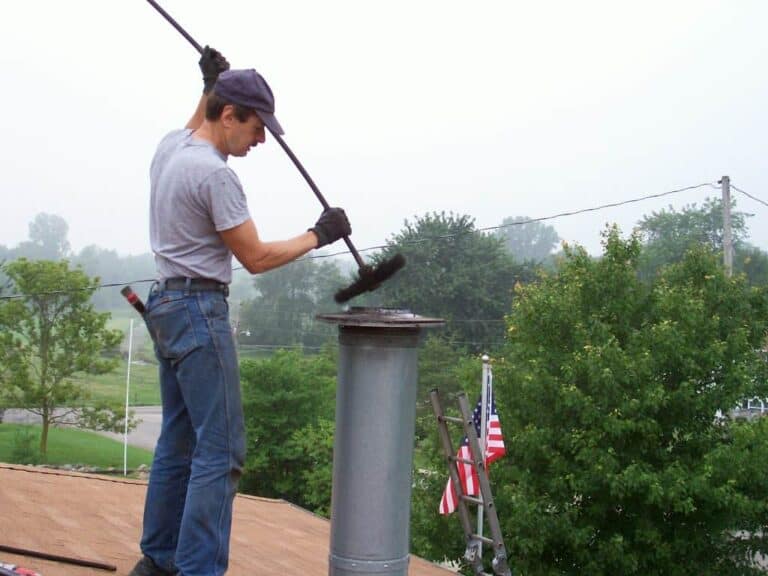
(172, 330)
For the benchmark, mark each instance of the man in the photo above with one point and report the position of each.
(199, 218)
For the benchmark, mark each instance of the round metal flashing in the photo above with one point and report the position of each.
(380, 318)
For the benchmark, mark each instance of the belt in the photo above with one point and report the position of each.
(193, 285)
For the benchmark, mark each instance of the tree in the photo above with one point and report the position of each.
(617, 461)
(669, 234)
(527, 241)
(288, 299)
(47, 238)
(49, 334)
(113, 269)
(752, 262)
(453, 272)
(448, 369)
(285, 393)
(310, 452)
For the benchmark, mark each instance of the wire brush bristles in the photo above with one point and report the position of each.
(369, 278)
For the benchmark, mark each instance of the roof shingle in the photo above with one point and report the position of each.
(98, 518)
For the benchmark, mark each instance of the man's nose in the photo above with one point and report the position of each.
(261, 136)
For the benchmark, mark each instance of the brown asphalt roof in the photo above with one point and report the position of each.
(98, 518)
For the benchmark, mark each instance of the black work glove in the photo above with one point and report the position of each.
(331, 226)
(212, 63)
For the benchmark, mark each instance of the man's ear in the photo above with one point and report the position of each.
(228, 115)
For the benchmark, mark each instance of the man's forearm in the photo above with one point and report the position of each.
(274, 254)
(197, 118)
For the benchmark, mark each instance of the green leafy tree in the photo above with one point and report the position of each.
(448, 369)
(310, 453)
(47, 239)
(4, 354)
(282, 394)
(454, 272)
(288, 300)
(112, 268)
(527, 241)
(752, 262)
(433, 536)
(47, 335)
(617, 461)
(669, 234)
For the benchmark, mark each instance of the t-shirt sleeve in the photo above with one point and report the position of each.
(227, 202)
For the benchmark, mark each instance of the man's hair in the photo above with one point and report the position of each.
(215, 106)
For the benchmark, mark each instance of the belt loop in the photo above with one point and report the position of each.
(187, 285)
(225, 290)
(161, 285)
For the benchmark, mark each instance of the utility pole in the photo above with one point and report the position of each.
(725, 183)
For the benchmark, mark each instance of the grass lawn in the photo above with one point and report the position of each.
(144, 390)
(69, 446)
(144, 387)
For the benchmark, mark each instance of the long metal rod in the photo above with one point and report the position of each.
(57, 558)
(127, 399)
(317, 192)
(176, 25)
(283, 145)
(483, 433)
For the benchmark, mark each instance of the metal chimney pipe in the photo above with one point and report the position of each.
(373, 445)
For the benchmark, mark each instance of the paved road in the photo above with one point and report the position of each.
(144, 435)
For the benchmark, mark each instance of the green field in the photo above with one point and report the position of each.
(144, 387)
(67, 446)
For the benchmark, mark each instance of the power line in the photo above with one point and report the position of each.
(603, 206)
(748, 195)
(540, 219)
(425, 239)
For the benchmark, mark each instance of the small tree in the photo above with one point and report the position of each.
(526, 240)
(283, 312)
(617, 461)
(47, 238)
(454, 272)
(47, 335)
(669, 234)
(284, 393)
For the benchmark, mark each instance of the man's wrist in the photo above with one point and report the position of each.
(315, 237)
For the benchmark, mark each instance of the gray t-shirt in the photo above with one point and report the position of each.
(194, 195)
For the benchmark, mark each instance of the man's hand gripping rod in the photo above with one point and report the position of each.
(369, 278)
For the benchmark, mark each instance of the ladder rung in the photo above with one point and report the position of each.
(472, 499)
(462, 460)
(483, 539)
(452, 419)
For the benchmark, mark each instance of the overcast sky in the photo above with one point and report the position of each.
(396, 108)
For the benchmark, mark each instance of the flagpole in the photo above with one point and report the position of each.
(483, 440)
(127, 400)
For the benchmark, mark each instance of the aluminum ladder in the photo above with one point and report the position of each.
(474, 541)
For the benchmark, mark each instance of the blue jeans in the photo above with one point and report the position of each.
(199, 455)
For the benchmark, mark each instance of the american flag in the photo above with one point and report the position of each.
(494, 449)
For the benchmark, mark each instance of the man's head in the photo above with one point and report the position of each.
(248, 89)
(242, 102)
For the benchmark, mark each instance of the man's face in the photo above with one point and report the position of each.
(241, 136)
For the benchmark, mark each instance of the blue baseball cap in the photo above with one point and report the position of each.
(248, 88)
